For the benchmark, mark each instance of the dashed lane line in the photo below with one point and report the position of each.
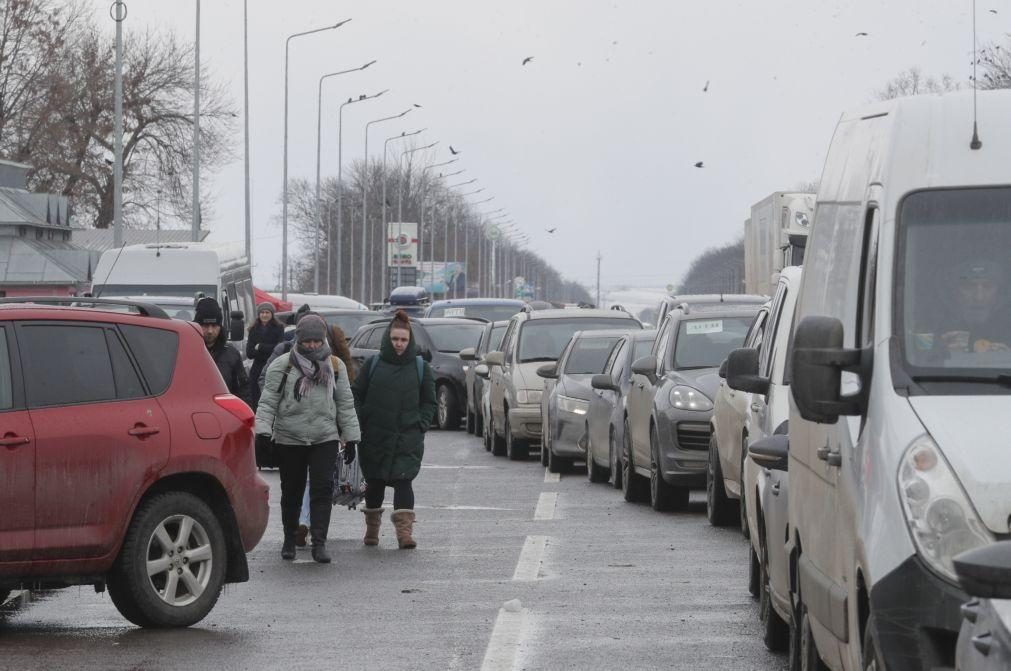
(505, 638)
(546, 504)
(528, 568)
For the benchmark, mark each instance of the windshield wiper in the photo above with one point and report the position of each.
(1003, 379)
(538, 358)
(694, 367)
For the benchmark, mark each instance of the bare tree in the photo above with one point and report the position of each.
(716, 270)
(912, 82)
(995, 67)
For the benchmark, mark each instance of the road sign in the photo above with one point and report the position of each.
(494, 232)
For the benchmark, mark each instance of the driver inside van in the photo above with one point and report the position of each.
(980, 322)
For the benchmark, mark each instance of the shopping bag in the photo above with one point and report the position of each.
(348, 483)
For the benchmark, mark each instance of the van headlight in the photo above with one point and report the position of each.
(575, 406)
(524, 396)
(940, 517)
(683, 397)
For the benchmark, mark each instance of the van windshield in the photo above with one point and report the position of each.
(953, 287)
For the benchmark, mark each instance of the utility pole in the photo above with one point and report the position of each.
(117, 168)
(245, 86)
(598, 279)
(196, 132)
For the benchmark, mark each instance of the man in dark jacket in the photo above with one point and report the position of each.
(395, 396)
(263, 337)
(228, 360)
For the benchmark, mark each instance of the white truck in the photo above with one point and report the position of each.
(775, 237)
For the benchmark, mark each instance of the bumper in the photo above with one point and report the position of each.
(918, 617)
(251, 502)
(525, 422)
(684, 449)
(569, 439)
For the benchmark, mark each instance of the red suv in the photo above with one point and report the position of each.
(124, 461)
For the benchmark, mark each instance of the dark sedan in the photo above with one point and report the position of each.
(440, 342)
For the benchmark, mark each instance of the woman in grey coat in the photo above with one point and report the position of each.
(307, 408)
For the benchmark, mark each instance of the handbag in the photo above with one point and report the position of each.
(267, 455)
(348, 483)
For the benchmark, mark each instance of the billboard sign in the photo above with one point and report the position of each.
(440, 277)
(402, 244)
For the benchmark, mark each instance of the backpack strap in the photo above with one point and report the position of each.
(420, 363)
(284, 378)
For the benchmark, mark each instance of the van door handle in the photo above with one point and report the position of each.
(829, 457)
(141, 431)
(775, 489)
(12, 440)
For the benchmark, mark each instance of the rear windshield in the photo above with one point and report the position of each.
(544, 339)
(492, 313)
(705, 343)
(589, 355)
(454, 337)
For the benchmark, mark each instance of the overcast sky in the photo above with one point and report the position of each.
(599, 134)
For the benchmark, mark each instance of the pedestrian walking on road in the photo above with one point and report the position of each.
(283, 347)
(395, 396)
(263, 337)
(228, 360)
(305, 406)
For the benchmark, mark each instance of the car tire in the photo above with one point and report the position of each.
(498, 444)
(479, 424)
(558, 464)
(486, 438)
(873, 659)
(447, 414)
(594, 472)
(614, 459)
(810, 660)
(754, 572)
(720, 510)
(144, 598)
(471, 421)
(742, 503)
(662, 495)
(632, 486)
(777, 632)
(516, 449)
(545, 441)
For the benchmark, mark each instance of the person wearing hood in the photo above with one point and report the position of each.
(306, 409)
(263, 337)
(228, 360)
(395, 396)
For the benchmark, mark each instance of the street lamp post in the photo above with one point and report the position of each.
(421, 223)
(400, 196)
(319, 145)
(284, 192)
(386, 245)
(480, 242)
(195, 224)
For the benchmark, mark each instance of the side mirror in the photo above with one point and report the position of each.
(481, 370)
(468, 354)
(818, 362)
(645, 366)
(986, 571)
(548, 371)
(604, 382)
(772, 452)
(236, 327)
(742, 372)
(723, 370)
(494, 359)
(425, 354)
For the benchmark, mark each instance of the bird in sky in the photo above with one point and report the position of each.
(551, 230)
(417, 105)
(700, 164)
(706, 87)
(527, 59)
(993, 11)
(861, 34)
(452, 151)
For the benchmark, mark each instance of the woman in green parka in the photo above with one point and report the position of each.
(395, 397)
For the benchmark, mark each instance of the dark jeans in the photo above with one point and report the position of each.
(403, 493)
(295, 462)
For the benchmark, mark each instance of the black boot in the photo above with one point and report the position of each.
(288, 548)
(319, 553)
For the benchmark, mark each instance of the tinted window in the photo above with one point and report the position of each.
(6, 386)
(494, 338)
(705, 343)
(155, 352)
(544, 339)
(373, 338)
(66, 365)
(589, 356)
(128, 383)
(454, 337)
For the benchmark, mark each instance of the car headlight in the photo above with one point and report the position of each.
(465, 368)
(940, 517)
(686, 398)
(575, 406)
(524, 396)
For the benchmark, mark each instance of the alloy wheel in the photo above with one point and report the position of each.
(179, 560)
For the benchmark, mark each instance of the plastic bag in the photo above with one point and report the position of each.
(348, 483)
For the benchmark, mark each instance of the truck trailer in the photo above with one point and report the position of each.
(774, 237)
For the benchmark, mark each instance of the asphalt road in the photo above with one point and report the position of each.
(513, 571)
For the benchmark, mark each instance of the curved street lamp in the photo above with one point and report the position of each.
(386, 236)
(400, 196)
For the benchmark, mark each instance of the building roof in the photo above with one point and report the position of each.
(101, 239)
(27, 261)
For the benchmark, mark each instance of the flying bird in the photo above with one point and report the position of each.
(700, 165)
(452, 151)
(527, 59)
(861, 35)
(706, 87)
(993, 11)
(551, 230)
(417, 105)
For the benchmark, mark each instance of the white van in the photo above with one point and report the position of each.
(900, 410)
(172, 275)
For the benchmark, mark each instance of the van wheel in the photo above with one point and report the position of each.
(448, 417)
(516, 449)
(873, 660)
(498, 444)
(662, 496)
(631, 482)
(171, 568)
(777, 632)
(719, 509)
(810, 660)
(614, 460)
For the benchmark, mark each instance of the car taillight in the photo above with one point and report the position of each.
(237, 407)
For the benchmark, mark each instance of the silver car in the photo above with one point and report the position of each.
(491, 338)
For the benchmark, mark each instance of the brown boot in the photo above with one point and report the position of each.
(373, 518)
(404, 521)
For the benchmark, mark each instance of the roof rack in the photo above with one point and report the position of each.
(144, 309)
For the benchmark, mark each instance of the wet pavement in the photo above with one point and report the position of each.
(515, 569)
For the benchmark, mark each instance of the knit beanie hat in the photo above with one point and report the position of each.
(310, 327)
(265, 306)
(208, 312)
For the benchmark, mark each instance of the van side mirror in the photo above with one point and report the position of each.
(772, 452)
(236, 326)
(494, 359)
(818, 362)
(645, 366)
(468, 354)
(742, 372)
(548, 371)
(604, 382)
(985, 572)
(481, 370)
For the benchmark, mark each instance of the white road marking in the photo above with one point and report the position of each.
(505, 637)
(531, 557)
(461, 468)
(550, 477)
(461, 508)
(546, 503)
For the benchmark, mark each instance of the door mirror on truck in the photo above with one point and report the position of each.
(742, 372)
(818, 362)
(985, 572)
(237, 325)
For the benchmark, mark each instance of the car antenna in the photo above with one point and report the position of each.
(975, 143)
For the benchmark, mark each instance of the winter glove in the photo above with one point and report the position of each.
(350, 450)
(264, 442)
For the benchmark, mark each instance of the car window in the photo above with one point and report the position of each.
(454, 337)
(616, 352)
(496, 337)
(705, 343)
(544, 339)
(65, 365)
(375, 338)
(662, 348)
(757, 332)
(127, 381)
(589, 356)
(6, 383)
(349, 323)
(155, 351)
(507, 339)
(765, 348)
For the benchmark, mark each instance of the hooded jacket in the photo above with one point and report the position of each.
(395, 410)
(229, 363)
(262, 340)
